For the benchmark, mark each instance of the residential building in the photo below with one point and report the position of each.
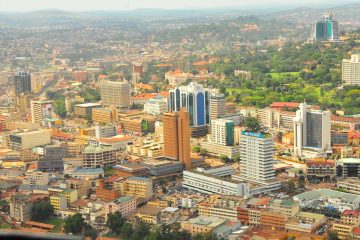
(58, 201)
(349, 220)
(137, 186)
(326, 29)
(202, 224)
(351, 70)
(312, 130)
(36, 178)
(104, 194)
(98, 156)
(217, 106)
(177, 136)
(105, 131)
(115, 94)
(221, 206)
(149, 215)
(289, 207)
(125, 205)
(196, 99)
(351, 185)
(320, 168)
(222, 132)
(82, 185)
(21, 205)
(156, 106)
(52, 159)
(169, 215)
(276, 118)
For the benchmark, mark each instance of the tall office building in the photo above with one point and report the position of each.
(115, 94)
(196, 99)
(351, 70)
(176, 129)
(22, 83)
(222, 132)
(326, 29)
(256, 155)
(312, 130)
(217, 106)
(40, 110)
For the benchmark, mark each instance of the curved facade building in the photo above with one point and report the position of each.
(196, 99)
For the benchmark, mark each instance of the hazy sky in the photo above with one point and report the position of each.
(89, 5)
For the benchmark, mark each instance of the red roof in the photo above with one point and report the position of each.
(284, 104)
(345, 119)
(356, 230)
(324, 163)
(144, 95)
(354, 213)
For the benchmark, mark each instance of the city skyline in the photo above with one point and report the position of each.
(114, 5)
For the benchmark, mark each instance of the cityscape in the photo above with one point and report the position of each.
(198, 120)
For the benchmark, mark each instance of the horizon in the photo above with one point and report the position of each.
(27, 6)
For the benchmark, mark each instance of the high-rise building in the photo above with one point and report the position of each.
(351, 70)
(222, 132)
(217, 106)
(40, 110)
(257, 152)
(326, 29)
(196, 99)
(177, 136)
(312, 130)
(22, 83)
(115, 94)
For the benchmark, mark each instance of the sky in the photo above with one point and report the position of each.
(93, 5)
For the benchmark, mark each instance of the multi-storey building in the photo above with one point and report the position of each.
(156, 106)
(98, 156)
(210, 184)
(217, 106)
(320, 168)
(326, 29)
(105, 131)
(125, 205)
(82, 185)
(29, 139)
(58, 201)
(103, 115)
(177, 136)
(312, 130)
(36, 178)
(22, 83)
(115, 94)
(275, 118)
(256, 155)
(349, 220)
(222, 132)
(195, 99)
(348, 167)
(137, 187)
(351, 70)
(40, 111)
(84, 110)
(21, 205)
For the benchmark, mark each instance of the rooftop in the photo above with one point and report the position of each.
(211, 222)
(310, 215)
(123, 199)
(88, 105)
(326, 193)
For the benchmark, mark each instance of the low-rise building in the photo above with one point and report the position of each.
(320, 168)
(36, 178)
(21, 205)
(58, 201)
(149, 215)
(125, 205)
(349, 220)
(136, 186)
(306, 222)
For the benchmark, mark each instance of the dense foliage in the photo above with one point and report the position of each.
(41, 210)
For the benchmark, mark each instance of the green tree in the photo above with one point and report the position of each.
(154, 233)
(196, 148)
(140, 231)
(126, 231)
(252, 124)
(115, 222)
(4, 206)
(90, 232)
(290, 185)
(224, 158)
(41, 210)
(237, 157)
(74, 224)
(332, 235)
(59, 107)
(203, 152)
(301, 182)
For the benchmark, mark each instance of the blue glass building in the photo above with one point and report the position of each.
(196, 99)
